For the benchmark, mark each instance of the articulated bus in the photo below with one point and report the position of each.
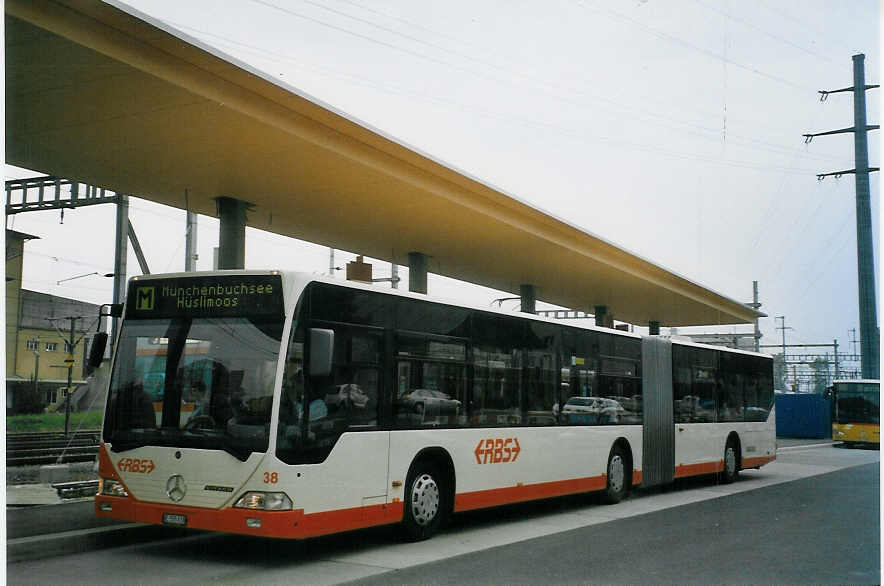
(857, 406)
(289, 405)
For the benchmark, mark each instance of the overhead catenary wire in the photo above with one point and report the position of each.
(539, 85)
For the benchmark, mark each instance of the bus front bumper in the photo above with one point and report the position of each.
(280, 524)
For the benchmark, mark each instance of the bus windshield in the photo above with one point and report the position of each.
(194, 376)
(856, 403)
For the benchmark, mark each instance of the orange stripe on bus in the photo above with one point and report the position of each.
(755, 462)
(683, 470)
(515, 494)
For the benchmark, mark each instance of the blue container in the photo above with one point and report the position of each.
(803, 415)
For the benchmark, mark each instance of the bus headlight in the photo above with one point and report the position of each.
(264, 501)
(108, 487)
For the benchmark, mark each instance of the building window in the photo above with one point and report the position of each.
(51, 346)
(68, 348)
(33, 344)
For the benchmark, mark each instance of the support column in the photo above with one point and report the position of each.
(417, 272)
(121, 253)
(528, 293)
(232, 232)
(654, 328)
(756, 305)
(601, 314)
(190, 250)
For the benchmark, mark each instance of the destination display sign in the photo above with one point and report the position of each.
(205, 296)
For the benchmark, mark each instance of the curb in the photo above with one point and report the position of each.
(805, 447)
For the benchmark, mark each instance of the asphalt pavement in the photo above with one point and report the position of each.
(820, 530)
(813, 499)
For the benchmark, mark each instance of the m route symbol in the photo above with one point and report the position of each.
(497, 450)
(145, 298)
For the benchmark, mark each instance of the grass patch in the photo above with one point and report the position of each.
(80, 421)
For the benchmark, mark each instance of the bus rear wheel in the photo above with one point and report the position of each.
(425, 502)
(617, 482)
(731, 468)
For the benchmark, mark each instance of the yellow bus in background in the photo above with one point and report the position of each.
(857, 404)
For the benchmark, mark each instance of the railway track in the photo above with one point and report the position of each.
(32, 449)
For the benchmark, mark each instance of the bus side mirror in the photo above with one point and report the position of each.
(96, 351)
(322, 345)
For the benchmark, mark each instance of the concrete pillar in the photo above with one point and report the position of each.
(601, 312)
(417, 272)
(232, 232)
(528, 293)
(654, 328)
(121, 253)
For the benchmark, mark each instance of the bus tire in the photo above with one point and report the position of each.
(425, 502)
(617, 481)
(731, 462)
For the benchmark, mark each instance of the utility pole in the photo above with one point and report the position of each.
(71, 343)
(784, 328)
(868, 319)
(69, 361)
(190, 243)
(836, 358)
(756, 306)
(37, 371)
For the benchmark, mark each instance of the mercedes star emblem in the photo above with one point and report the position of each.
(176, 488)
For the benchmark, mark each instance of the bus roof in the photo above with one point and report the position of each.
(305, 278)
(200, 111)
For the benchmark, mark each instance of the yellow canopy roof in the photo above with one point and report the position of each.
(112, 98)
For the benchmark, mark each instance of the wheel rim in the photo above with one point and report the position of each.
(615, 473)
(730, 461)
(424, 499)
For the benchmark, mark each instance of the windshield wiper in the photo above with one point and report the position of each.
(129, 445)
(229, 445)
(156, 437)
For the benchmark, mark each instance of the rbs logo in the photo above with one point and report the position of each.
(497, 450)
(144, 298)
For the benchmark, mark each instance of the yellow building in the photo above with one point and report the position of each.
(38, 333)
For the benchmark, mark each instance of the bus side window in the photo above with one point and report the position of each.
(430, 381)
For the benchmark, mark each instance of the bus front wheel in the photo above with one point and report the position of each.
(424, 502)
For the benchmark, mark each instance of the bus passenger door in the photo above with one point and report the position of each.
(344, 416)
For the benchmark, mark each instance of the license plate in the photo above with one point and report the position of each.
(174, 519)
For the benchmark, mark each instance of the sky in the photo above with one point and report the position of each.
(672, 128)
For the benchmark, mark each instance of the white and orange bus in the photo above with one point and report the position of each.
(289, 405)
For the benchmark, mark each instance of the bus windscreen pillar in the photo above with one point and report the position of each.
(417, 272)
(653, 328)
(232, 232)
(528, 293)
